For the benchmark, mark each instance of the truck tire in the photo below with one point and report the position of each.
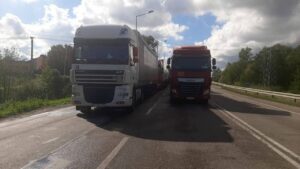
(173, 100)
(84, 109)
(204, 102)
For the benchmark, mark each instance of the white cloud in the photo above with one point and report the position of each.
(29, 1)
(55, 27)
(159, 23)
(251, 23)
(60, 23)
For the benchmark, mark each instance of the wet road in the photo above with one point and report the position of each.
(233, 131)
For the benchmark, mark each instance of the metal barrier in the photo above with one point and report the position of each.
(273, 94)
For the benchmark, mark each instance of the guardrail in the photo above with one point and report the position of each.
(291, 96)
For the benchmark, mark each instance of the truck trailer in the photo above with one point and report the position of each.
(190, 73)
(112, 67)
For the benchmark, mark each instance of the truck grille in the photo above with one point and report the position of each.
(98, 94)
(98, 76)
(190, 89)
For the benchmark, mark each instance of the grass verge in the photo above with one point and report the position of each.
(17, 107)
(266, 97)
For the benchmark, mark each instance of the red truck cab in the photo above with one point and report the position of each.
(190, 73)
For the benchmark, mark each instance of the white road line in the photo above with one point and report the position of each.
(59, 148)
(112, 155)
(152, 107)
(272, 144)
(51, 140)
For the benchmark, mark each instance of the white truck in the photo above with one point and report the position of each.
(112, 67)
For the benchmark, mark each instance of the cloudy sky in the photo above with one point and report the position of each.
(224, 26)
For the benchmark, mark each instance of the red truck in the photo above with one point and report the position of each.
(190, 73)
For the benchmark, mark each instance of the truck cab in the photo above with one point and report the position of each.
(190, 73)
(104, 68)
(112, 67)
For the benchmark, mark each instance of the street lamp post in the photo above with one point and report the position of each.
(136, 17)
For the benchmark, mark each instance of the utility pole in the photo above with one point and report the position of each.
(31, 54)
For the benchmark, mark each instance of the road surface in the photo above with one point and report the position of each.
(233, 131)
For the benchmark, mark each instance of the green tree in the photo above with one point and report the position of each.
(52, 82)
(9, 70)
(293, 62)
(59, 57)
(216, 75)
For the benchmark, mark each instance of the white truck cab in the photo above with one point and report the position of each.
(106, 67)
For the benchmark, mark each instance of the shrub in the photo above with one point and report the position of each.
(53, 83)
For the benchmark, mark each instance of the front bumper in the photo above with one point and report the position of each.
(176, 93)
(99, 96)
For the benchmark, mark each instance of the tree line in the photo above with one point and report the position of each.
(273, 68)
(19, 82)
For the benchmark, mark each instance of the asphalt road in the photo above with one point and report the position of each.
(233, 131)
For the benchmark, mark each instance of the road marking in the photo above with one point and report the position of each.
(272, 144)
(112, 155)
(51, 140)
(31, 163)
(152, 107)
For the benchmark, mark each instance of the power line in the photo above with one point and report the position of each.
(14, 38)
(54, 39)
(37, 37)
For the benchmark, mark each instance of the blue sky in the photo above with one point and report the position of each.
(199, 28)
(31, 12)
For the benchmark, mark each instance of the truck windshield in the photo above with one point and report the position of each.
(191, 63)
(102, 54)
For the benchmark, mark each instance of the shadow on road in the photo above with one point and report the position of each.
(233, 105)
(187, 122)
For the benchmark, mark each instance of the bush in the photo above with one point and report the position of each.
(1, 95)
(53, 83)
(67, 87)
(30, 89)
(16, 107)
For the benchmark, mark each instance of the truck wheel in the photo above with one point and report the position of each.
(204, 102)
(173, 100)
(85, 109)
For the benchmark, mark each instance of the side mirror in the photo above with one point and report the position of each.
(169, 61)
(135, 54)
(168, 67)
(214, 67)
(214, 61)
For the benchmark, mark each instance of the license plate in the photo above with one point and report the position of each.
(190, 98)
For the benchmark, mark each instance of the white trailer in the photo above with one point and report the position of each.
(112, 67)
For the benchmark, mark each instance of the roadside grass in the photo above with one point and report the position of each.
(18, 107)
(266, 97)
